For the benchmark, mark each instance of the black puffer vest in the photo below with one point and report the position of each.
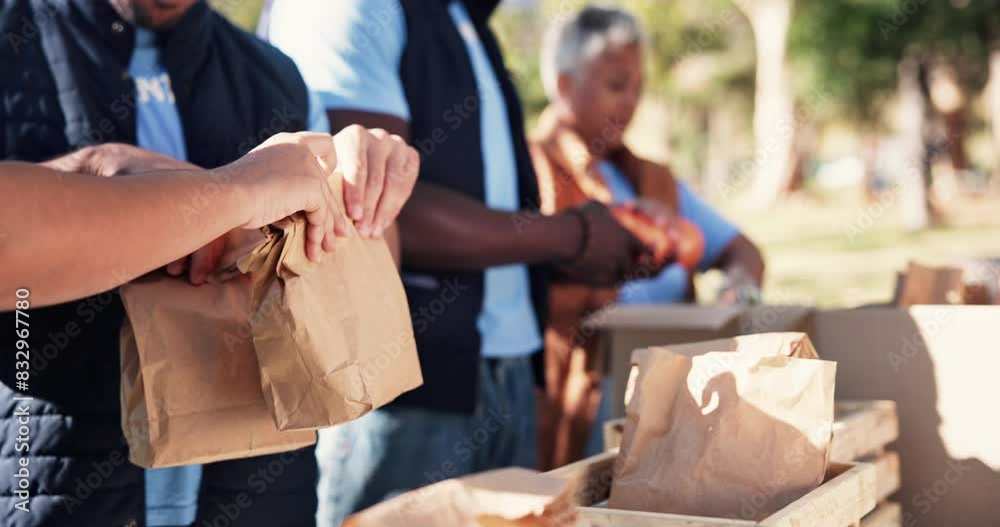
(64, 84)
(443, 98)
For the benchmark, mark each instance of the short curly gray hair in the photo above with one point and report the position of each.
(573, 41)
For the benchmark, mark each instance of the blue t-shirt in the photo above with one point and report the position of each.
(172, 493)
(349, 53)
(670, 285)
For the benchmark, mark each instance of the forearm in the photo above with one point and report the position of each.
(443, 229)
(72, 235)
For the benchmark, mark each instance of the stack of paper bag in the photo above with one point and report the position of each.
(732, 428)
(513, 497)
(334, 338)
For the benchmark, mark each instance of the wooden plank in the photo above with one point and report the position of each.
(843, 499)
(889, 514)
(592, 477)
(886, 475)
(862, 428)
(601, 517)
(840, 501)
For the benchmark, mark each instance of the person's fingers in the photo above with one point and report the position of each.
(379, 151)
(177, 267)
(330, 234)
(352, 145)
(316, 233)
(401, 175)
(205, 260)
(317, 210)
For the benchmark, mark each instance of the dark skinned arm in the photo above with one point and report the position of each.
(443, 229)
(742, 253)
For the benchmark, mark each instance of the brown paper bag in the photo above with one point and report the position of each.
(190, 385)
(334, 339)
(734, 428)
(512, 497)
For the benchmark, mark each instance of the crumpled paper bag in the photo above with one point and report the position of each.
(190, 385)
(512, 497)
(733, 428)
(334, 338)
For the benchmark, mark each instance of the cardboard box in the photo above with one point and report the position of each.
(974, 283)
(939, 363)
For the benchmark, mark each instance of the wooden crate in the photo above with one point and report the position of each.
(861, 432)
(848, 493)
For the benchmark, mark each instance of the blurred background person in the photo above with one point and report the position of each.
(592, 70)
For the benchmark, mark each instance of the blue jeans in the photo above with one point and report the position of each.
(172, 495)
(396, 449)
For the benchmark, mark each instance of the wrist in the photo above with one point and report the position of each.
(237, 194)
(571, 233)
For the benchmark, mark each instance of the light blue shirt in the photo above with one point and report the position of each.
(349, 53)
(670, 286)
(172, 493)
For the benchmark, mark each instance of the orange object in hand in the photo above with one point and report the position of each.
(689, 242)
(655, 237)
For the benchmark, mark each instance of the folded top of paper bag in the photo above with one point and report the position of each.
(512, 497)
(779, 344)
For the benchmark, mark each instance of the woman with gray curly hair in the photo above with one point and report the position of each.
(593, 76)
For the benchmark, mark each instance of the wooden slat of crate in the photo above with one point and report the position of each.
(860, 428)
(889, 514)
(842, 500)
(886, 475)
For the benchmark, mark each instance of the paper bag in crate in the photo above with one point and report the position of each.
(511, 497)
(190, 385)
(334, 338)
(732, 428)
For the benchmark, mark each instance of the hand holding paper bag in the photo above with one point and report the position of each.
(208, 371)
(334, 338)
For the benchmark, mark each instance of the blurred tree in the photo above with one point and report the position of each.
(243, 13)
(773, 121)
(864, 51)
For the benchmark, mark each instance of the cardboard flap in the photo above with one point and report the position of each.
(783, 344)
(666, 317)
